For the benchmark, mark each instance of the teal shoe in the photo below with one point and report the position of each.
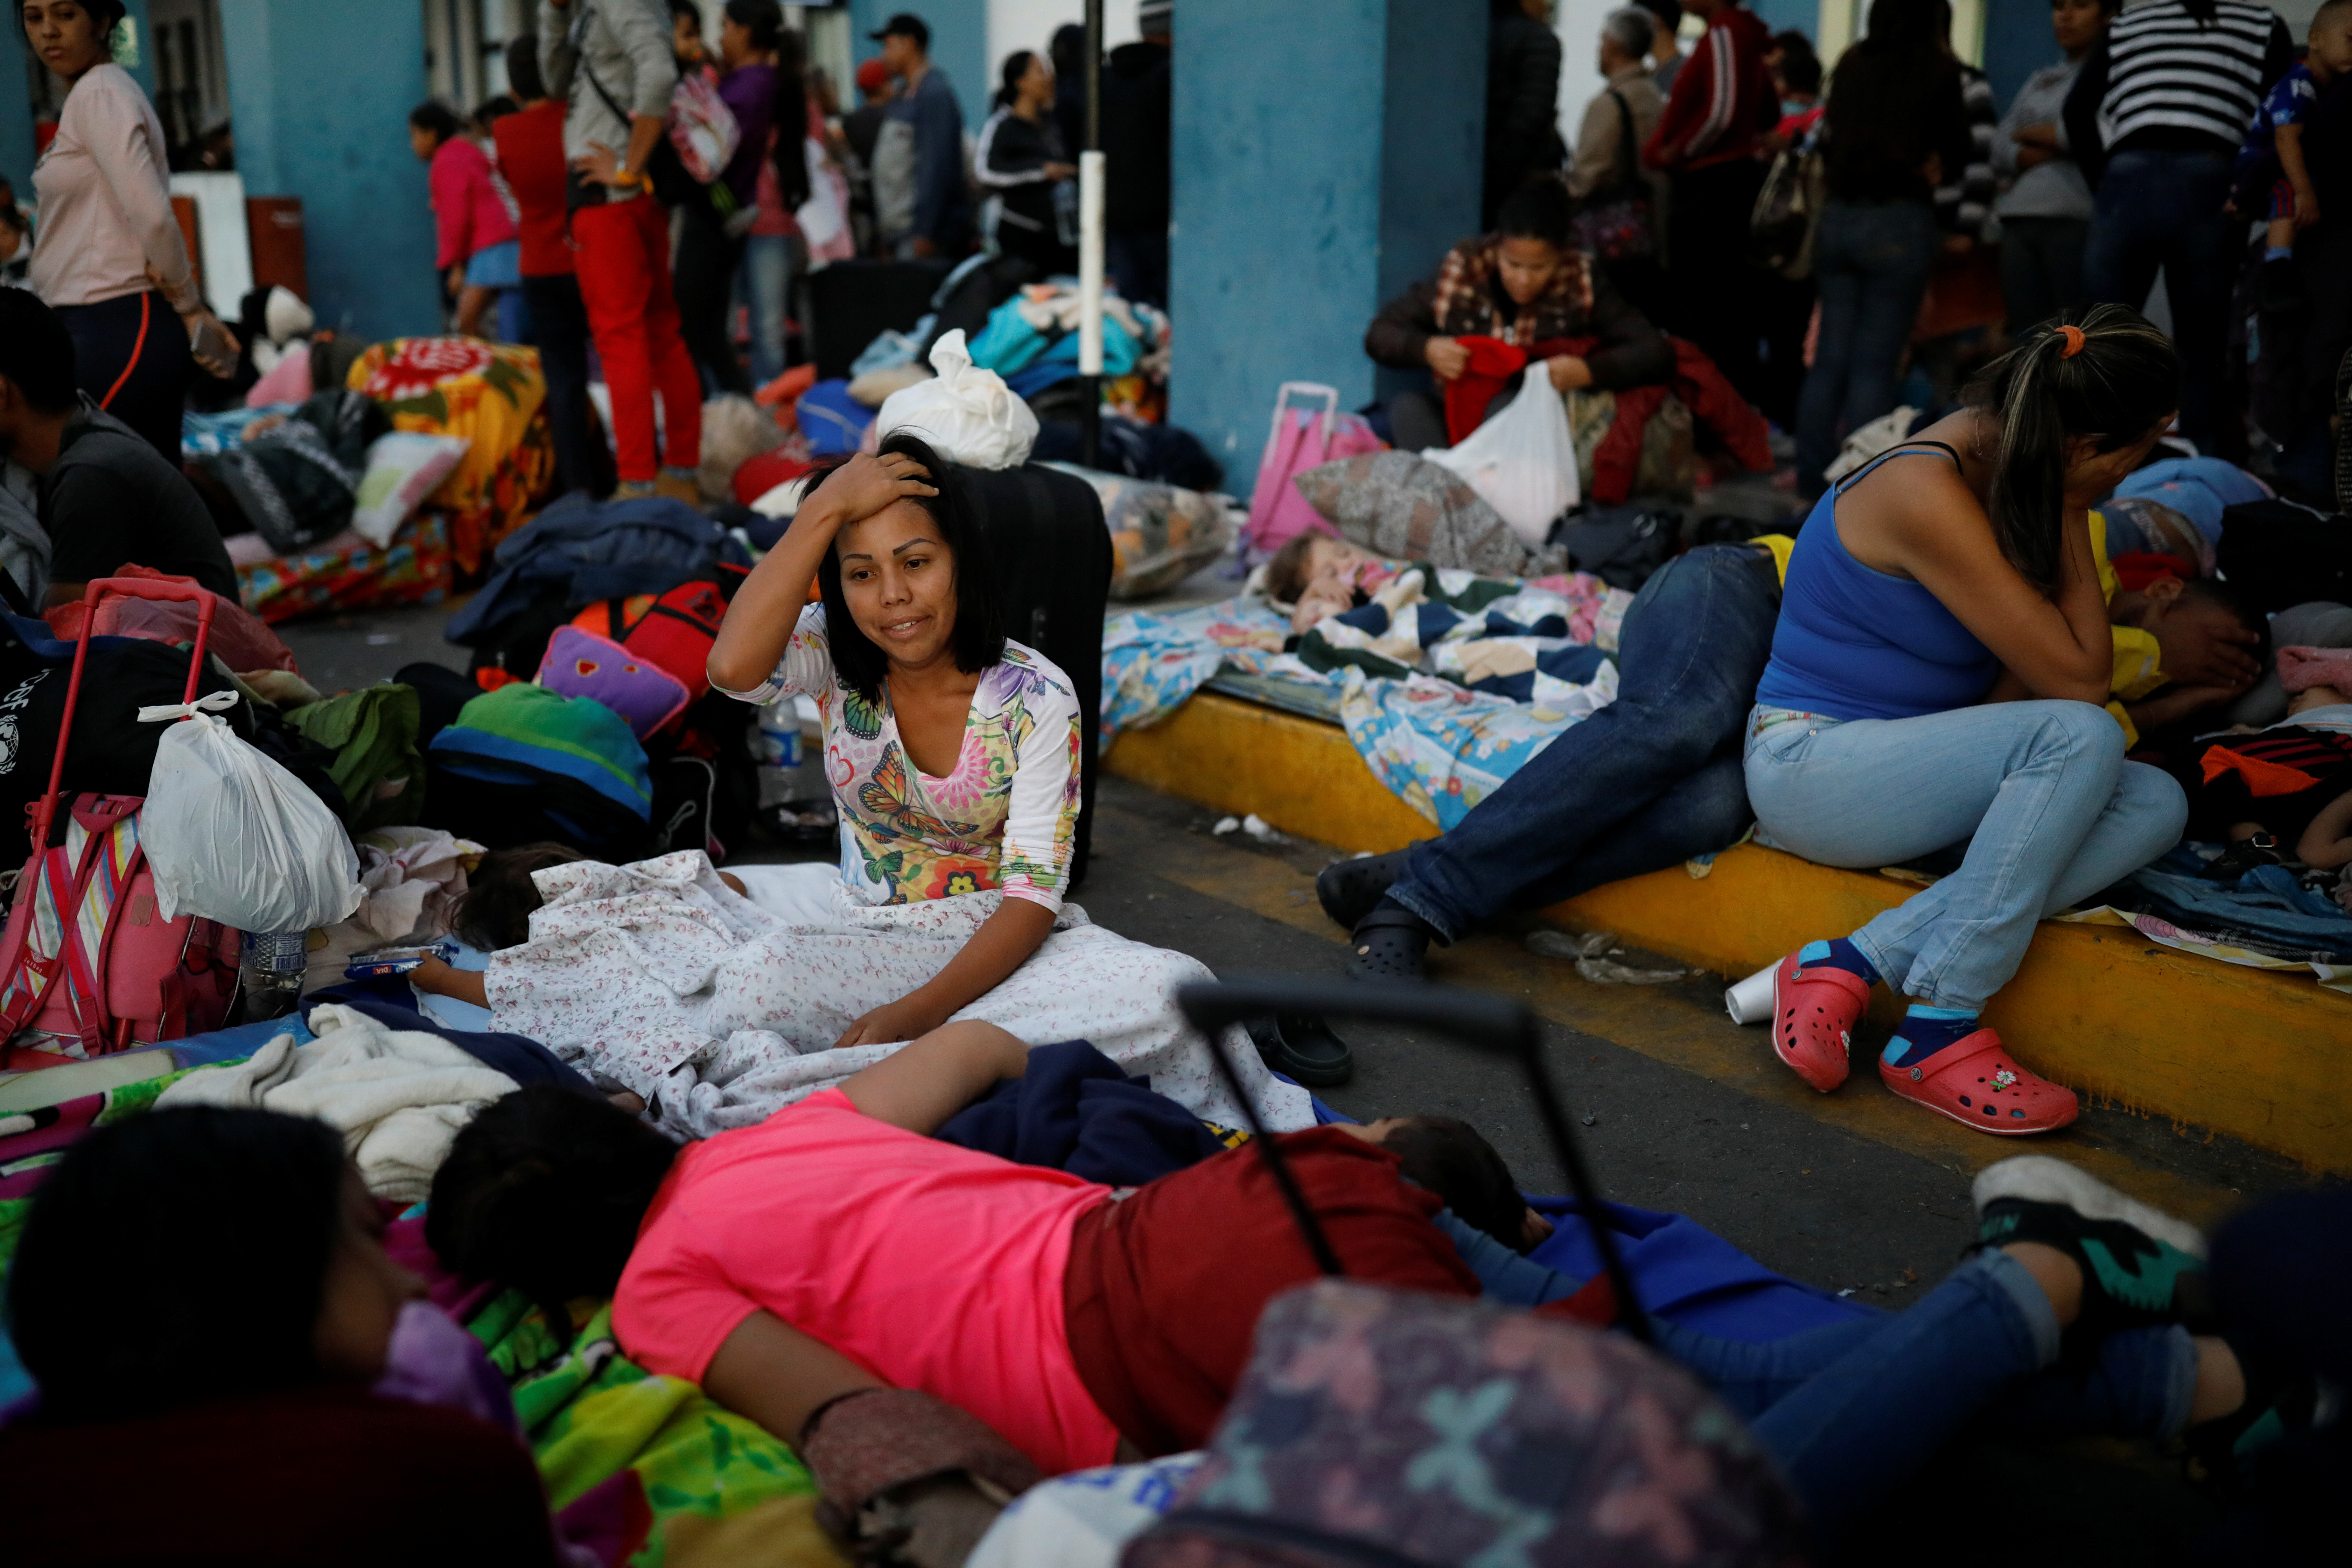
(2140, 1267)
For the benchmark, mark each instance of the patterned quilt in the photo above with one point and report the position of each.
(1445, 692)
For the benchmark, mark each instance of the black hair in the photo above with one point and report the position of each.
(977, 639)
(1800, 68)
(1016, 66)
(1285, 575)
(1068, 50)
(176, 1257)
(2124, 379)
(544, 1191)
(524, 79)
(1448, 1157)
(107, 13)
(494, 109)
(688, 9)
(436, 117)
(36, 353)
(2204, 12)
(1899, 26)
(499, 894)
(789, 110)
(2230, 597)
(1541, 209)
(1669, 13)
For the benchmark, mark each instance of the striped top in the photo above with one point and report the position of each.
(2167, 73)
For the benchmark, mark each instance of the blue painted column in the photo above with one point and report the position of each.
(2017, 43)
(1312, 185)
(319, 96)
(1804, 15)
(958, 45)
(16, 115)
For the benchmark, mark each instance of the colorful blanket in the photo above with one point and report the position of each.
(491, 394)
(347, 573)
(1445, 697)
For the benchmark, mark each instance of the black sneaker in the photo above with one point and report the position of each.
(1304, 1048)
(2222, 1455)
(2139, 1266)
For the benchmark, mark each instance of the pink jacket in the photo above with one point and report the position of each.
(470, 203)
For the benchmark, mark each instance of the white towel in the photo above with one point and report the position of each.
(398, 1097)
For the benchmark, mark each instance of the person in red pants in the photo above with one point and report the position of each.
(611, 63)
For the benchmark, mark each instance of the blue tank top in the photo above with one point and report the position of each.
(1854, 643)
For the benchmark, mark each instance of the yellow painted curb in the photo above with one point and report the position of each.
(2258, 1054)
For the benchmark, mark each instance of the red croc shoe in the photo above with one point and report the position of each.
(1973, 1081)
(1813, 1015)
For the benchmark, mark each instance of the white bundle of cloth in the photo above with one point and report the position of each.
(399, 1098)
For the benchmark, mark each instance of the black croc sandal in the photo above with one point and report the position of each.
(1302, 1048)
(1350, 889)
(1390, 944)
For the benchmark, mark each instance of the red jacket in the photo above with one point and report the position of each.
(1722, 101)
(467, 204)
(531, 157)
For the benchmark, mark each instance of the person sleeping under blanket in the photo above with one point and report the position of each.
(661, 980)
(2286, 791)
(860, 1289)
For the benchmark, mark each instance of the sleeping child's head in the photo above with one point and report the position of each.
(1320, 576)
(2314, 678)
(500, 894)
(2169, 605)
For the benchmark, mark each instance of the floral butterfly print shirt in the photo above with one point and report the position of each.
(1002, 820)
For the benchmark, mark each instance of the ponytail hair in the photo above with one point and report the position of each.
(1016, 66)
(2123, 380)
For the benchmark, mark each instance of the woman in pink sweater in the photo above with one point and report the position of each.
(110, 258)
(480, 246)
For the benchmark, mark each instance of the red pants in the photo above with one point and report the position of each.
(623, 262)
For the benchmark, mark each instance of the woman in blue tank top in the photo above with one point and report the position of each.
(1937, 677)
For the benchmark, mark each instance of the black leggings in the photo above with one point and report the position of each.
(704, 282)
(130, 355)
(559, 330)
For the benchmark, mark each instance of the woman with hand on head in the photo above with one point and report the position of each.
(952, 754)
(109, 258)
(1937, 677)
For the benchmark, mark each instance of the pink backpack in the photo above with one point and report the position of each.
(580, 663)
(1302, 438)
(86, 964)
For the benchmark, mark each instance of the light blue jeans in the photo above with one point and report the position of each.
(2038, 792)
(764, 282)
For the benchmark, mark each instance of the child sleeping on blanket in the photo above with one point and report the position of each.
(2286, 789)
(661, 980)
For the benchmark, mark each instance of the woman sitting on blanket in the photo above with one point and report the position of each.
(857, 1286)
(1938, 676)
(1529, 285)
(953, 756)
(211, 1285)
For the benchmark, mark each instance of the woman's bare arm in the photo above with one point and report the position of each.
(919, 1087)
(1935, 530)
(771, 1373)
(768, 605)
(2327, 842)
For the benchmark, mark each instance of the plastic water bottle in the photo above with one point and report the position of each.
(272, 970)
(778, 749)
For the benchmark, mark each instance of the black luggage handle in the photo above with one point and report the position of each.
(1493, 1024)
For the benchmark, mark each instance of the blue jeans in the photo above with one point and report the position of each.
(1648, 782)
(2038, 792)
(765, 283)
(1871, 264)
(1851, 1409)
(2164, 210)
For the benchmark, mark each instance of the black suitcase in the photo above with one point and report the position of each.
(851, 303)
(1052, 573)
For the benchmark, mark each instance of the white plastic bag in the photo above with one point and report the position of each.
(1522, 462)
(234, 837)
(967, 412)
